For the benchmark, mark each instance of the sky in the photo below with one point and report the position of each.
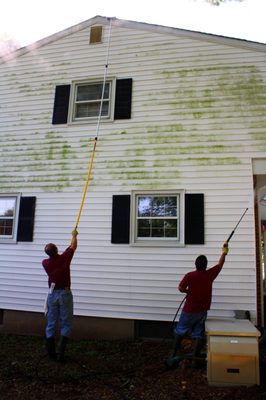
(26, 21)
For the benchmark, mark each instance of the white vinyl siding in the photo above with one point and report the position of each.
(198, 118)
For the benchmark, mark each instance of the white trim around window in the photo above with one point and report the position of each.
(9, 211)
(157, 218)
(86, 97)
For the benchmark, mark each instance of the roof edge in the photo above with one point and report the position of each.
(98, 19)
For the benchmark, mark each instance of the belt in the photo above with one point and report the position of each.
(61, 288)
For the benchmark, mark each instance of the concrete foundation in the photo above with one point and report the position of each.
(33, 323)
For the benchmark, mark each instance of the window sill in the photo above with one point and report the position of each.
(89, 121)
(7, 241)
(155, 243)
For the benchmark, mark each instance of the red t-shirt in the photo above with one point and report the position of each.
(58, 268)
(199, 288)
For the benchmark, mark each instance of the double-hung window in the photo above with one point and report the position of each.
(82, 101)
(158, 218)
(90, 99)
(17, 215)
(8, 216)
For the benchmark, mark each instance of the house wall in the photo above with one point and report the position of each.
(198, 120)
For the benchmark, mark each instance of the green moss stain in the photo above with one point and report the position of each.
(126, 165)
(244, 91)
(202, 108)
(66, 151)
(165, 128)
(209, 162)
(52, 135)
(210, 92)
(50, 154)
(40, 159)
(161, 172)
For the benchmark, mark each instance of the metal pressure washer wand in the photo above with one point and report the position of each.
(233, 231)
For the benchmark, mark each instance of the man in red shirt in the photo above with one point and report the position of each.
(198, 287)
(60, 298)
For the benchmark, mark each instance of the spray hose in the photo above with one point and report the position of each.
(177, 311)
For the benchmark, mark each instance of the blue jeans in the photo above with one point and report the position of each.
(60, 307)
(191, 323)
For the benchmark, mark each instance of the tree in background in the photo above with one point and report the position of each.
(7, 45)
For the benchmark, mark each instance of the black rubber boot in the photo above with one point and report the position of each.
(198, 346)
(177, 344)
(50, 347)
(173, 360)
(61, 348)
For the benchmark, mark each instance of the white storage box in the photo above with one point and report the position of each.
(233, 352)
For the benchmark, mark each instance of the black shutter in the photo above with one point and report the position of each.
(123, 96)
(120, 219)
(194, 218)
(26, 219)
(61, 102)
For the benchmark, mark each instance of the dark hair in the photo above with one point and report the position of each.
(201, 263)
(51, 249)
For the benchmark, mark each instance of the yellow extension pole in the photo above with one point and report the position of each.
(96, 138)
(86, 184)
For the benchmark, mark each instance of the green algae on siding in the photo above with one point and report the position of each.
(32, 90)
(178, 150)
(259, 135)
(208, 161)
(165, 128)
(158, 169)
(52, 135)
(240, 88)
(146, 176)
(125, 164)
(66, 151)
(23, 162)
